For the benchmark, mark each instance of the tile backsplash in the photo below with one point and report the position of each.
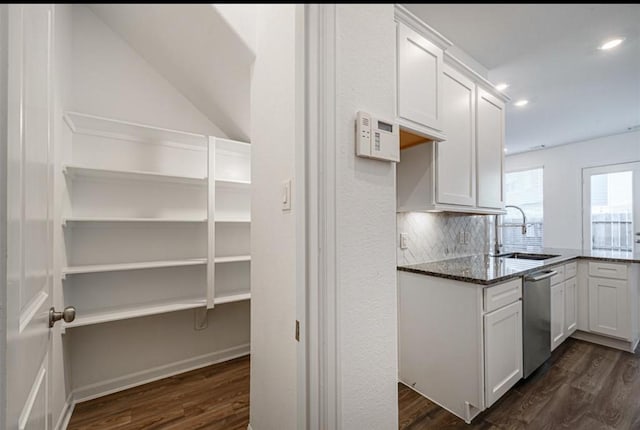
(438, 236)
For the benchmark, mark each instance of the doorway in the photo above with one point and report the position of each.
(611, 208)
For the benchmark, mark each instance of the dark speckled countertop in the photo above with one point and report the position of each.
(484, 269)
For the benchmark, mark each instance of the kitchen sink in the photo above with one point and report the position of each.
(526, 256)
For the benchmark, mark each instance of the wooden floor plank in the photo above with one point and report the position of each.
(582, 386)
(214, 397)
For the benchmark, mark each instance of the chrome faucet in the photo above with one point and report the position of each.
(497, 244)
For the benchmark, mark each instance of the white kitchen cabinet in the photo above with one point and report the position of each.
(419, 67)
(557, 314)
(456, 157)
(490, 150)
(502, 350)
(570, 306)
(609, 307)
(608, 304)
(464, 172)
(451, 348)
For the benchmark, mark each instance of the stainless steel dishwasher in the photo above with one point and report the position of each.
(536, 320)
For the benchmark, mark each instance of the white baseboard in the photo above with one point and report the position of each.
(65, 415)
(103, 388)
(606, 341)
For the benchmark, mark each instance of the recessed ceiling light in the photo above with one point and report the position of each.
(611, 44)
(506, 150)
(521, 103)
(502, 87)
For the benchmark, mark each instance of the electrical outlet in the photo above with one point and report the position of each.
(467, 237)
(404, 237)
(461, 238)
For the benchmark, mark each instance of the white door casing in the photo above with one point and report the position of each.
(29, 217)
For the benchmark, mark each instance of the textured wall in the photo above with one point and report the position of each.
(436, 236)
(273, 232)
(365, 215)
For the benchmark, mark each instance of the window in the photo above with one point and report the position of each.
(612, 211)
(523, 189)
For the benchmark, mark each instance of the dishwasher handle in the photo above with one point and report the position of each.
(540, 276)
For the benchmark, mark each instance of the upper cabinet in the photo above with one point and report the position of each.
(490, 148)
(452, 124)
(456, 157)
(419, 81)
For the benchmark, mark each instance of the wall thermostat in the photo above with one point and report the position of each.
(377, 138)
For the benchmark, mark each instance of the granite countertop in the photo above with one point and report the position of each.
(483, 269)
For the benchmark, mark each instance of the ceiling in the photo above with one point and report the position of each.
(197, 50)
(548, 54)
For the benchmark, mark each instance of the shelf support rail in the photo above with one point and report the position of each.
(211, 221)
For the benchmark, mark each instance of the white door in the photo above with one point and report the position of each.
(456, 157)
(611, 208)
(503, 350)
(557, 314)
(419, 79)
(490, 150)
(29, 227)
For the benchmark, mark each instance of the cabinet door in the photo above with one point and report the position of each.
(456, 157)
(419, 79)
(557, 315)
(570, 306)
(502, 350)
(609, 307)
(490, 150)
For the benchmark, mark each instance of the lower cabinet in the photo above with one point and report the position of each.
(557, 314)
(502, 350)
(459, 343)
(570, 306)
(564, 303)
(609, 307)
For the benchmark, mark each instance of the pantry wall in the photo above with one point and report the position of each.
(136, 208)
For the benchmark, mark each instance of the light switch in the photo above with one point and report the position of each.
(404, 237)
(286, 195)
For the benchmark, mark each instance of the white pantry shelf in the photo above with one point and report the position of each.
(233, 183)
(125, 219)
(232, 259)
(94, 125)
(232, 298)
(116, 314)
(230, 220)
(73, 171)
(99, 268)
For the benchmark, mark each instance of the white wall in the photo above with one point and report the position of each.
(108, 78)
(111, 79)
(124, 352)
(274, 104)
(563, 180)
(366, 222)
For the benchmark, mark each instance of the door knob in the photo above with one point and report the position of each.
(68, 315)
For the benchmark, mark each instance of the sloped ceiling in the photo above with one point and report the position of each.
(196, 49)
(548, 53)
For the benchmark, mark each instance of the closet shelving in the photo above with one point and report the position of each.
(155, 220)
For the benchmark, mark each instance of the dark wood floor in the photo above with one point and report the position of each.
(582, 387)
(215, 398)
